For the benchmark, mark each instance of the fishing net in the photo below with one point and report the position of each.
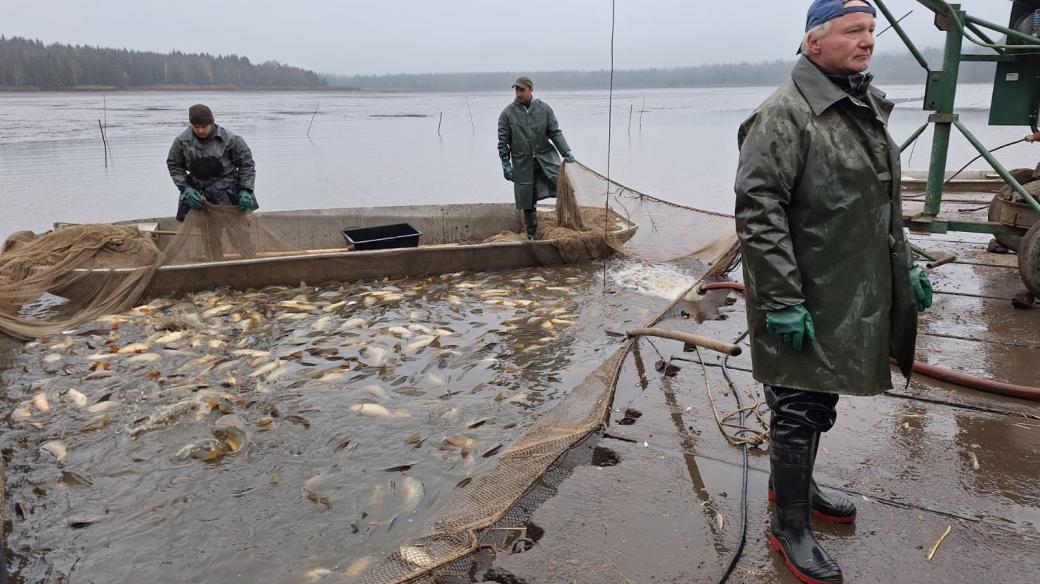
(489, 515)
(76, 273)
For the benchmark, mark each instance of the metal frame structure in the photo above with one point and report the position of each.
(940, 94)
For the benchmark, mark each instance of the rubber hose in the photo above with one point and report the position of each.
(940, 373)
(725, 285)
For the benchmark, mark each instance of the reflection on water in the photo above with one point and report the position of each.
(286, 430)
(999, 459)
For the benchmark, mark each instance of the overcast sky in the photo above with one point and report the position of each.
(414, 36)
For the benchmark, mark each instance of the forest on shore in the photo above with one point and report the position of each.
(30, 64)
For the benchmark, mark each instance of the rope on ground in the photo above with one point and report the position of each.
(741, 434)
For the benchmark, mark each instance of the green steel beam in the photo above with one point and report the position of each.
(894, 23)
(960, 20)
(940, 95)
(1010, 32)
(939, 226)
(913, 137)
(997, 166)
(975, 29)
(990, 58)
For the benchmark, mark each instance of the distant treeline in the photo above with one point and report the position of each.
(887, 69)
(28, 64)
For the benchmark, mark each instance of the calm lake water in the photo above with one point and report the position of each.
(368, 149)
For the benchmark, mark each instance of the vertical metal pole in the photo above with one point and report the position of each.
(940, 97)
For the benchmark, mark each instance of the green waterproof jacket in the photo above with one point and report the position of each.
(818, 215)
(524, 133)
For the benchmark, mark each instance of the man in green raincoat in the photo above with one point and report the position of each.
(832, 293)
(525, 130)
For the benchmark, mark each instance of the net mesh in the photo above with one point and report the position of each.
(490, 513)
(76, 273)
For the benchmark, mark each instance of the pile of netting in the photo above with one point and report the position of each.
(595, 217)
(490, 513)
(76, 273)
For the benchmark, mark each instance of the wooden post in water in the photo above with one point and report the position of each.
(103, 140)
(439, 120)
(312, 119)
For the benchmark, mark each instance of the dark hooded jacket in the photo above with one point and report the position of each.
(218, 167)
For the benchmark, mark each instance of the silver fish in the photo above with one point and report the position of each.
(165, 416)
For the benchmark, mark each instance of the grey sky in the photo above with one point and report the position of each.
(410, 36)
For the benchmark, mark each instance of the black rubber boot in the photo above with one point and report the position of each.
(531, 222)
(826, 505)
(790, 461)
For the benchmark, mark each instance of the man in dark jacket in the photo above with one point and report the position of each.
(525, 130)
(207, 162)
(832, 293)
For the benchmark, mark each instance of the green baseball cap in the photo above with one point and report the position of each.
(523, 81)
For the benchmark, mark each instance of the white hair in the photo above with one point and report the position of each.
(816, 33)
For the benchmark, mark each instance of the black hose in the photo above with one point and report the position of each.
(744, 482)
(961, 169)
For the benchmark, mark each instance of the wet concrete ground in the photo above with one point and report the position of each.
(916, 460)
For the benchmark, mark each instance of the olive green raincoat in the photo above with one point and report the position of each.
(524, 134)
(819, 220)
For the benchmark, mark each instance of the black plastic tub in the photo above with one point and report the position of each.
(383, 237)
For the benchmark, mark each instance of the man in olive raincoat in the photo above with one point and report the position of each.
(831, 289)
(525, 130)
(207, 162)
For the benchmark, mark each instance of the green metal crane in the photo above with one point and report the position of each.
(1015, 101)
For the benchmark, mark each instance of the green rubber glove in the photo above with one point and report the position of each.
(568, 156)
(507, 170)
(192, 198)
(922, 288)
(792, 325)
(247, 202)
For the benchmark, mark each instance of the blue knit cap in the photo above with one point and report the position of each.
(822, 11)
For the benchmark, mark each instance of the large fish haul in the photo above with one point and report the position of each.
(371, 402)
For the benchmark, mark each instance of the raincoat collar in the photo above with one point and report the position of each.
(820, 92)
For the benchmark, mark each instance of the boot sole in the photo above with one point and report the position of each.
(795, 571)
(820, 515)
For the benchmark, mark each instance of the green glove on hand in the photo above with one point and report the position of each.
(507, 170)
(792, 325)
(922, 288)
(568, 156)
(192, 197)
(247, 202)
